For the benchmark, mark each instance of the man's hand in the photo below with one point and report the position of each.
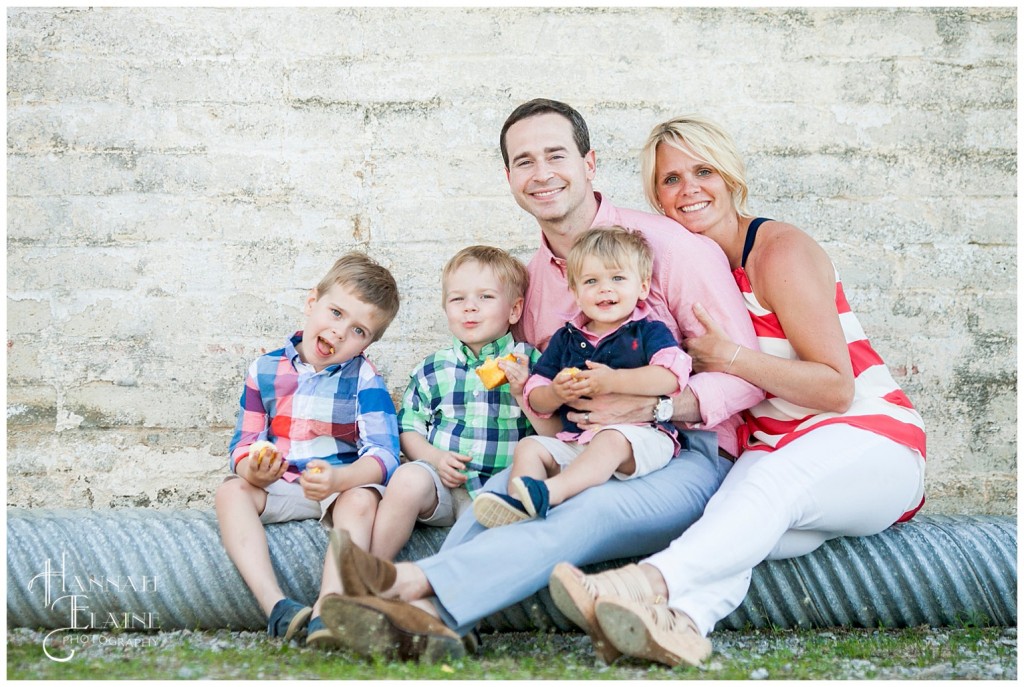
(611, 409)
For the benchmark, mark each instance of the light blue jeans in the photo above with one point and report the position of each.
(480, 571)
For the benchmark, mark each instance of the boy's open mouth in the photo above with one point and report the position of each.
(323, 346)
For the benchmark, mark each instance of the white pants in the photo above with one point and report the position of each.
(835, 481)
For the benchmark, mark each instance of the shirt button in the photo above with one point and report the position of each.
(583, 344)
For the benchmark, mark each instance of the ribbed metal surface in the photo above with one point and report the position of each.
(935, 570)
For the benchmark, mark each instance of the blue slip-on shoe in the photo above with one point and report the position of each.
(495, 510)
(319, 636)
(288, 619)
(533, 494)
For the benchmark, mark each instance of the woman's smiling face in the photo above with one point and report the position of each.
(691, 191)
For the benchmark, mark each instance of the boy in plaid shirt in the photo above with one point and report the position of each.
(316, 424)
(458, 432)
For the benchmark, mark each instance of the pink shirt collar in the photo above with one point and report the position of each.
(580, 321)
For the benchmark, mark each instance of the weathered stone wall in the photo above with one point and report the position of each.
(178, 178)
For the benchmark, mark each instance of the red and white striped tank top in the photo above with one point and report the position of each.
(879, 405)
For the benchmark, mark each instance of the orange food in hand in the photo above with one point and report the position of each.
(571, 371)
(258, 451)
(490, 374)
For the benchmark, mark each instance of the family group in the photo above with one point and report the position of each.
(686, 387)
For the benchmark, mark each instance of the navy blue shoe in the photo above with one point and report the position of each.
(533, 494)
(319, 636)
(495, 510)
(288, 619)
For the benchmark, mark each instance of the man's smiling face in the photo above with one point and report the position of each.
(548, 176)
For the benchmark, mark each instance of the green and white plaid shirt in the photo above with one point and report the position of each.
(449, 406)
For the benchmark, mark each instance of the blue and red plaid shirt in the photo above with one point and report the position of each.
(340, 414)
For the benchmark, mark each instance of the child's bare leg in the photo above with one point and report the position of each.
(607, 453)
(353, 510)
(411, 494)
(531, 459)
(239, 505)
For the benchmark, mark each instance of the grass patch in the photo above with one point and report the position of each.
(958, 653)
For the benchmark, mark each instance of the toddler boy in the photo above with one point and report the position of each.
(457, 431)
(611, 346)
(316, 424)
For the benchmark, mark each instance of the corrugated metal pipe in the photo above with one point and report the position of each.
(148, 570)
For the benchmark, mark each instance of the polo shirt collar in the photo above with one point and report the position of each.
(580, 321)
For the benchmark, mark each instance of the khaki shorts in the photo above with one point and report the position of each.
(451, 503)
(286, 502)
(652, 448)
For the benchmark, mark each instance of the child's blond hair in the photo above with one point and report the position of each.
(615, 247)
(509, 271)
(372, 283)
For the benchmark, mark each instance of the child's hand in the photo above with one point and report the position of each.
(564, 385)
(448, 465)
(598, 379)
(317, 480)
(263, 466)
(517, 373)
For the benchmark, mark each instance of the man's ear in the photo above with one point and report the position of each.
(591, 160)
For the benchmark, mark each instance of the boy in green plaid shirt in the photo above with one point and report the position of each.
(458, 432)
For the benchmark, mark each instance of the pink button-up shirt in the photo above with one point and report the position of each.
(688, 269)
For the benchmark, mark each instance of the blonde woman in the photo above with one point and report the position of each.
(835, 449)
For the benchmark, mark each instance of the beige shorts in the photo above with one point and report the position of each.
(451, 503)
(286, 502)
(652, 448)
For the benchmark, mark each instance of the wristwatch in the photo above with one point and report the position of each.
(663, 409)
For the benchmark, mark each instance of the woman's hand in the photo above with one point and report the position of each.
(713, 352)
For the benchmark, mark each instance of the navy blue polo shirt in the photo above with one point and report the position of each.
(631, 345)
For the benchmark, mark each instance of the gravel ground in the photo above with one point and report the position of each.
(987, 659)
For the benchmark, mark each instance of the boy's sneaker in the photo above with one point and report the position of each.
(318, 636)
(495, 510)
(533, 493)
(288, 619)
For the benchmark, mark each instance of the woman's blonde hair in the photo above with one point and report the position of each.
(703, 139)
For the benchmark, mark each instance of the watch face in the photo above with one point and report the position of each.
(663, 411)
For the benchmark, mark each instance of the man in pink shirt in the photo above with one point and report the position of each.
(550, 168)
